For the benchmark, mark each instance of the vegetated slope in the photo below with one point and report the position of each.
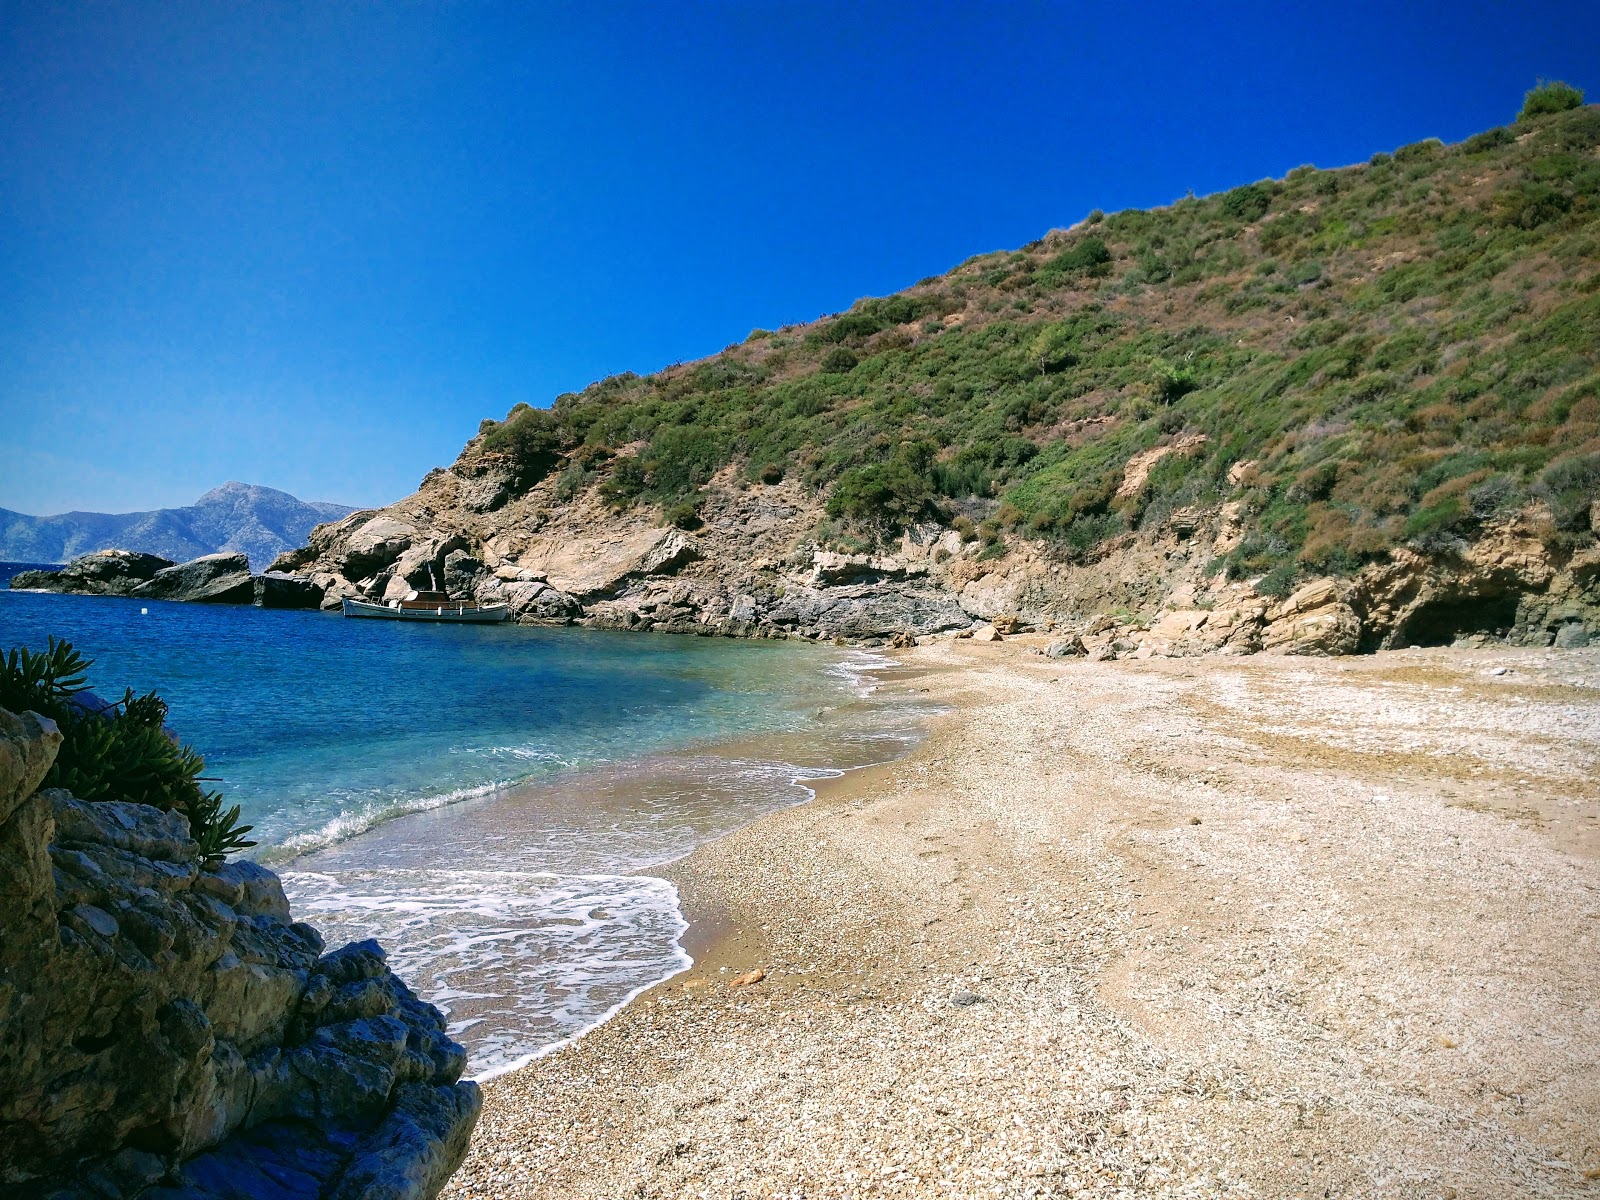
(259, 521)
(1383, 353)
(1350, 408)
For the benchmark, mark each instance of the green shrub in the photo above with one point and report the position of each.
(1088, 256)
(685, 513)
(838, 360)
(1418, 151)
(892, 493)
(120, 753)
(1278, 582)
(531, 439)
(1489, 139)
(1570, 486)
(1531, 203)
(1173, 383)
(1550, 97)
(1248, 203)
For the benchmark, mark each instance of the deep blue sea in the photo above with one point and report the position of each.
(487, 800)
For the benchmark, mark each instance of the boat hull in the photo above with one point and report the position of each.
(457, 614)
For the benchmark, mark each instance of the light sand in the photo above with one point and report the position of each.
(1205, 927)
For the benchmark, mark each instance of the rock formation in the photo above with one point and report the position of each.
(754, 568)
(209, 579)
(168, 1030)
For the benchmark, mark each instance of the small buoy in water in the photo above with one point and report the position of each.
(144, 612)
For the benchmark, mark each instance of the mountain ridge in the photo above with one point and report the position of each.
(258, 521)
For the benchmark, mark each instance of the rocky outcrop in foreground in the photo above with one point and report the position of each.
(168, 1031)
(210, 579)
(753, 568)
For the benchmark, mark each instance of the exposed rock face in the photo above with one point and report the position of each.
(103, 573)
(274, 589)
(752, 569)
(168, 1030)
(210, 579)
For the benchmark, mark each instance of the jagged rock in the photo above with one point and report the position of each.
(832, 570)
(532, 602)
(1067, 647)
(103, 573)
(1315, 620)
(461, 571)
(589, 568)
(210, 579)
(1571, 636)
(28, 745)
(277, 590)
(370, 545)
(159, 1022)
(488, 491)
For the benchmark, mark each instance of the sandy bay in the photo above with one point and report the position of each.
(1203, 927)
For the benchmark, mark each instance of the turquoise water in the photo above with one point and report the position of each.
(487, 800)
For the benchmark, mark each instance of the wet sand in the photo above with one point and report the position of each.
(1204, 927)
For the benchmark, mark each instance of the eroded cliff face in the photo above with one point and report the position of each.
(167, 1030)
(753, 568)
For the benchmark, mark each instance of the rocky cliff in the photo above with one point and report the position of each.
(168, 1030)
(755, 568)
(1344, 409)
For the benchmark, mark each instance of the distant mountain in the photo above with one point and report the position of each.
(260, 521)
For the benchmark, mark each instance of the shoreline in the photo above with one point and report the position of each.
(1188, 927)
(535, 912)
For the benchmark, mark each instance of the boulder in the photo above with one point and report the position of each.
(209, 579)
(372, 545)
(461, 571)
(1315, 620)
(589, 568)
(277, 590)
(103, 573)
(1067, 647)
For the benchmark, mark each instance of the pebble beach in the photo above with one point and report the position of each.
(1219, 927)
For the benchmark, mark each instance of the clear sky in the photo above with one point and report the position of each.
(313, 245)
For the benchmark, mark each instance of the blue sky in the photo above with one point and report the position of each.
(313, 245)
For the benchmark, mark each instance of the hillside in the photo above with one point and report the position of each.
(259, 521)
(1355, 375)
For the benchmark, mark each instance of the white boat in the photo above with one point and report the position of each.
(427, 606)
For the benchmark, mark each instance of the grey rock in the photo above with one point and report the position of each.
(1067, 647)
(136, 828)
(420, 1143)
(259, 891)
(278, 590)
(1571, 636)
(209, 579)
(164, 1025)
(103, 573)
(461, 572)
(28, 745)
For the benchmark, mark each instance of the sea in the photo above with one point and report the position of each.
(491, 802)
